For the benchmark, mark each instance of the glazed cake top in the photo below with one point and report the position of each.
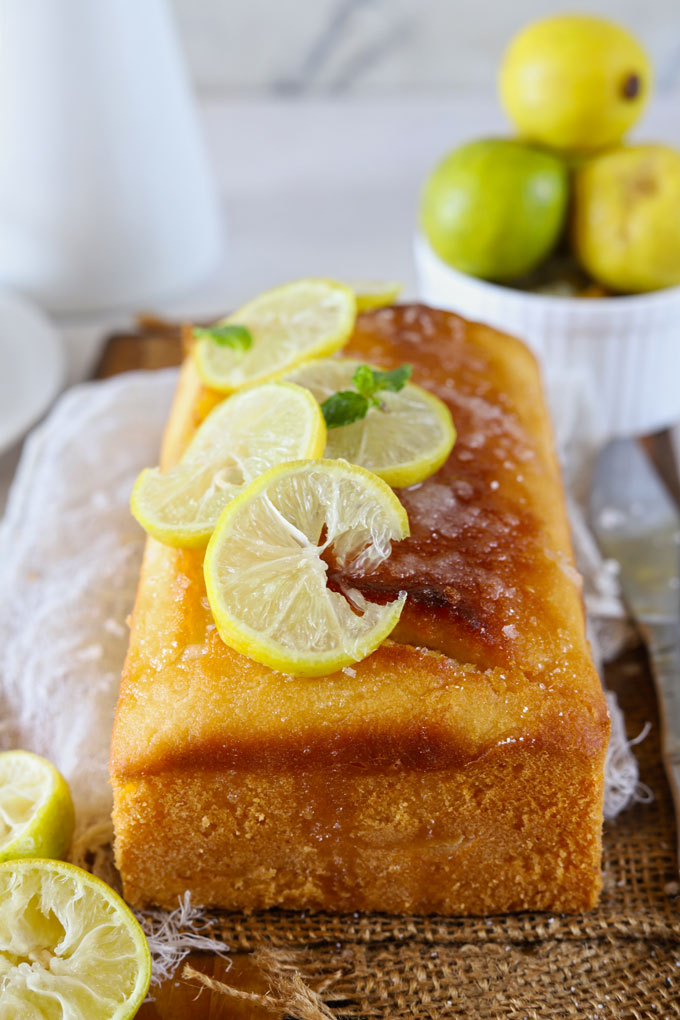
(490, 648)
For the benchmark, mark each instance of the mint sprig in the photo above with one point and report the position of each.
(348, 406)
(238, 338)
(343, 408)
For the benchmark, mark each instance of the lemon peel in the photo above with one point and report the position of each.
(266, 566)
(241, 438)
(36, 809)
(305, 319)
(69, 943)
(404, 441)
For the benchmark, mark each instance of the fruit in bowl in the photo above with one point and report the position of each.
(572, 86)
(495, 208)
(626, 218)
(574, 82)
(498, 209)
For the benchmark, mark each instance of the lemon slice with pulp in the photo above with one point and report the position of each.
(305, 319)
(404, 441)
(36, 810)
(241, 438)
(69, 946)
(371, 294)
(266, 567)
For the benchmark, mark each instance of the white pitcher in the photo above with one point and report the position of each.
(106, 199)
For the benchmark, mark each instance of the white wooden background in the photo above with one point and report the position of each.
(302, 46)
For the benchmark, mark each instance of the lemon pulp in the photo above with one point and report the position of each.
(403, 441)
(36, 810)
(240, 439)
(306, 319)
(266, 566)
(69, 946)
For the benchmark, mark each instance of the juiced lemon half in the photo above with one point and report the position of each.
(266, 566)
(69, 946)
(404, 440)
(241, 438)
(36, 810)
(282, 327)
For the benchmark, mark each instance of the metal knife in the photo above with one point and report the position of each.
(637, 523)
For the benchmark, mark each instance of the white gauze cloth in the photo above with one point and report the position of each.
(69, 559)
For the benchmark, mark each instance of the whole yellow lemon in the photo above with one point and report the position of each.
(574, 83)
(626, 218)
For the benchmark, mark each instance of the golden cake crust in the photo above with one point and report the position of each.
(487, 674)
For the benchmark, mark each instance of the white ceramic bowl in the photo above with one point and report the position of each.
(626, 350)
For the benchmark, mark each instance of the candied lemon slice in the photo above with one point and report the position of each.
(36, 810)
(241, 438)
(306, 319)
(266, 567)
(69, 946)
(404, 441)
(372, 294)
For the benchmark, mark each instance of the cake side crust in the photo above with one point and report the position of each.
(398, 841)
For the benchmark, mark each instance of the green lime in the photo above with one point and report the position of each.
(495, 208)
(36, 810)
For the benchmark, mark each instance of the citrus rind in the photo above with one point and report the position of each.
(36, 809)
(404, 441)
(309, 318)
(374, 294)
(242, 437)
(266, 579)
(68, 941)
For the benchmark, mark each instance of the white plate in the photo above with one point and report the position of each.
(31, 367)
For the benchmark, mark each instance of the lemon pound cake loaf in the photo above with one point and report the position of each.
(456, 769)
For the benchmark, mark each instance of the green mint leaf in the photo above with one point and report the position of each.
(370, 381)
(348, 406)
(364, 381)
(239, 338)
(343, 408)
(394, 380)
